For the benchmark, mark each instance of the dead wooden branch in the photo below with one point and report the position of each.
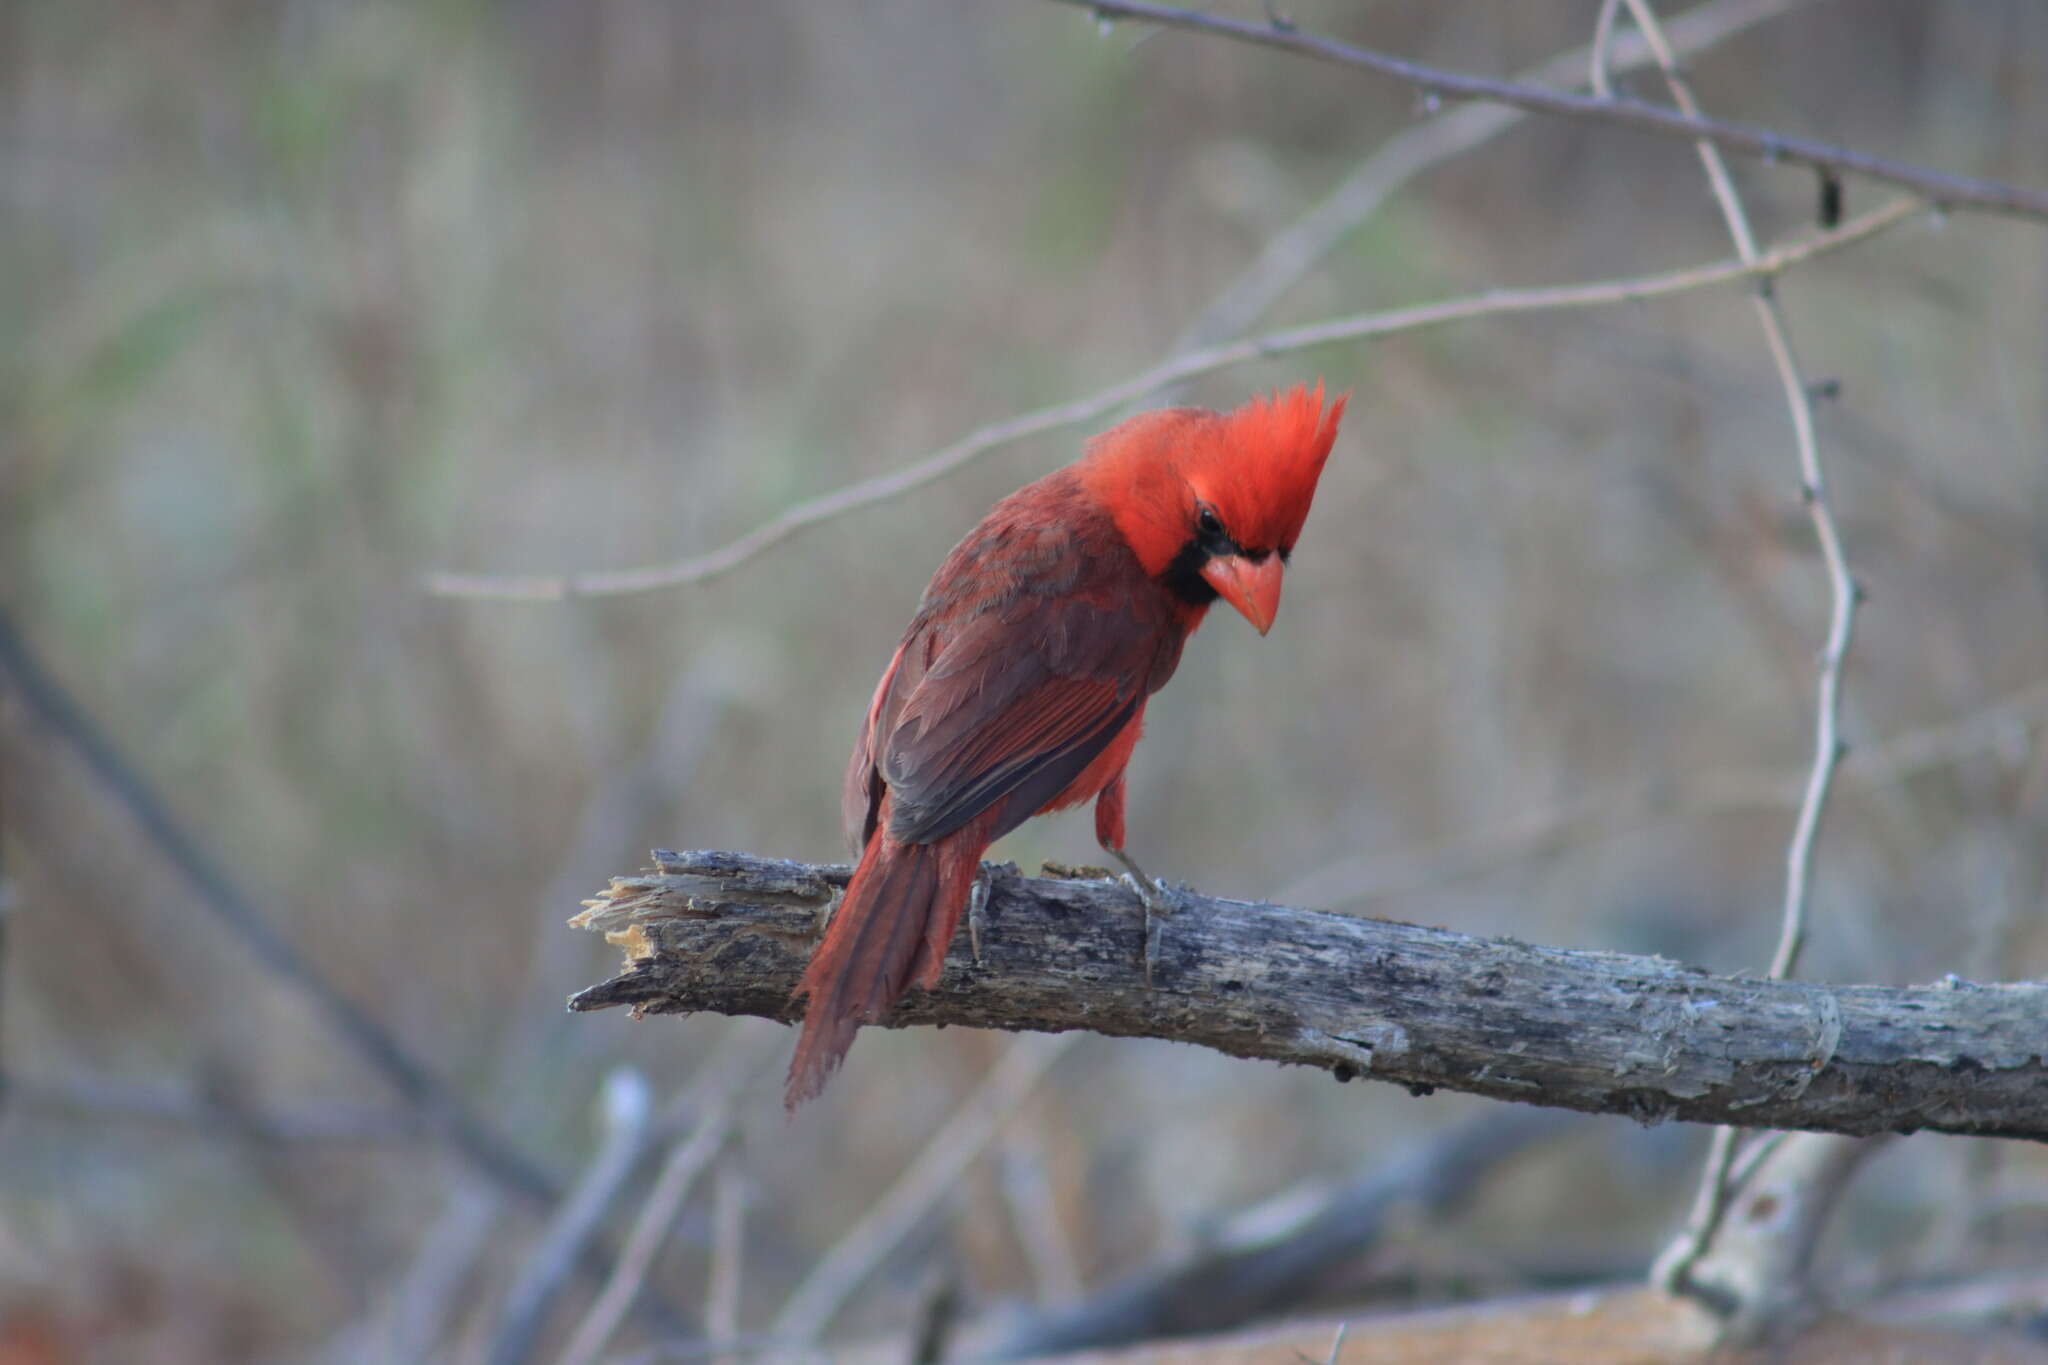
(1599, 1032)
(1592, 1327)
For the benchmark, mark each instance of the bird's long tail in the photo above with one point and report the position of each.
(891, 928)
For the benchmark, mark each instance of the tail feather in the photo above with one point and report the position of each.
(892, 927)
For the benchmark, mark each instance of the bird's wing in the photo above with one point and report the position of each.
(1009, 708)
(860, 799)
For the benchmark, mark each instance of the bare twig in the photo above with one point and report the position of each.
(626, 1114)
(429, 1292)
(650, 1231)
(1293, 251)
(1953, 190)
(1599, 1032)
(1756, 1274)
(728, 1251)
(100, 1099)
(937, 1167)
(1673, 1269)
(1600, 76)
(937, 1318)
(1034, 1210)
(869, 492)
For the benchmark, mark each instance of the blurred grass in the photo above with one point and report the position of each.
(301, 301)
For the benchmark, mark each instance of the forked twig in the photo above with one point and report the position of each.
(626, 1109)
(1956, 191)
(1293, 251)
(686, 1161)
(1673, 1268)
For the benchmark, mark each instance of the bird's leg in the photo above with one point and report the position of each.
(1159, 899)
(977, 910)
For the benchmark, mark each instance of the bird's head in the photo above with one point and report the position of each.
(1212, 502)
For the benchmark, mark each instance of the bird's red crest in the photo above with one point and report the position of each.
(1257, 466)
(1262, 470)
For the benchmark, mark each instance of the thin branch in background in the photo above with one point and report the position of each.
(626, 1116)
(722, 1287)
(1285, 341)
(1674, 1267)
(938, 1166)
(686, 1161)
(648, 777)
(1284, 259)
(1600, 76)
(100, 1100)
(334, 1249)
(1954, 191)
(1034, 1211)
(430, 1291)
(1757, 1273)
(932, 1340)
(1291, 253)
(706, 1103)
(471, 1136)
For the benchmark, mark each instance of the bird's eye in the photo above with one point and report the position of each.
(1209, 524)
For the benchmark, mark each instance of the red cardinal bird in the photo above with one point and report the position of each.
(1021, 684)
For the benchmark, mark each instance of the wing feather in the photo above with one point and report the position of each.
(1007, 707)
(1011, 711)
(1036, 645)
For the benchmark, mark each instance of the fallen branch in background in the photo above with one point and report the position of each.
(1605, 1033)
(1590, 1327)
(1268, 1265)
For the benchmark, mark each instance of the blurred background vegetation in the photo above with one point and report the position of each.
(302, 301)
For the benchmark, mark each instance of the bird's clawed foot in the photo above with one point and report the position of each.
(1160, 901)
(977, 911)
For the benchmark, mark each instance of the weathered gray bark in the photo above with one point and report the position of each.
(1599, 1032)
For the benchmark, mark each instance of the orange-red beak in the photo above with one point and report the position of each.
(1253, 589)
